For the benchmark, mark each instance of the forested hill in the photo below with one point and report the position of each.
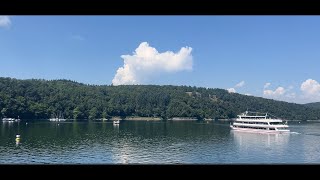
(313, 105)
(40, 99)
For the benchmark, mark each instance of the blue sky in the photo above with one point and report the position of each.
(206, 51)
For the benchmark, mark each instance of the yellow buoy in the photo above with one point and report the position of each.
(17, 138)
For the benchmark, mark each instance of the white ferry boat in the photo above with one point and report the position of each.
(259, 123)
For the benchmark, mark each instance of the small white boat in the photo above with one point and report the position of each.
(10, 119)
(116, 122)
(54, 119)
(57, 118)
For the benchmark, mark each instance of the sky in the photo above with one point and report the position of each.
(275, 57)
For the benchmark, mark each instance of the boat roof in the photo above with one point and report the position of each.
(250, 116)
(267, 117)
(259, 120)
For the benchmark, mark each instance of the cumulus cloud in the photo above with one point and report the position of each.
(231, 90)
(279, 91)
(240, 84)
(266, 85)
(281, 94)
(311, 90)
(310, 87)
(146, 61)
(5, 21)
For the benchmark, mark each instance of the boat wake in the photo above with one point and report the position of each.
(294, 133)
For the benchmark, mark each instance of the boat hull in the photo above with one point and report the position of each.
(259, 130)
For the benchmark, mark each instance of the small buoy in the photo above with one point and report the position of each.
(26, 123)
(17, 139)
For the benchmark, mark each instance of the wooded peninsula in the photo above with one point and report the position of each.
(41, 99)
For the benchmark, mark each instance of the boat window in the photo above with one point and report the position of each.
(272, 129)
(276, 123)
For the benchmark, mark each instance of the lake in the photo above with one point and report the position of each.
(155, 142)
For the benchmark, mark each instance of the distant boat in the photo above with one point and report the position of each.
(10, 119)
(57, 118)
(116, 122)
(54, 119)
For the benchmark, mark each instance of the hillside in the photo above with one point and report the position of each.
(315, 105)
(40, 99)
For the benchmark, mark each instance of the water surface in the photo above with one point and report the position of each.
(155, 142)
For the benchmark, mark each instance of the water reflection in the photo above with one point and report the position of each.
(145, 142)
(260, 139)
(261, 147)
(17, 141)
(116, 127)
(310, 142)
(121, 153)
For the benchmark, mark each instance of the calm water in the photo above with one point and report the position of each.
(147, 142)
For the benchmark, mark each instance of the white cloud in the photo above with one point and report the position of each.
(266, 85)
(77, 37)
(146, 61)
(5, 21)
(240, 84)
(310, 87)
(278, 92)
(231, 90)
(247, 94)
(281, 94)
(311, 90)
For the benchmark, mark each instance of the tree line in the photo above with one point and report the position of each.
(42, 99)
(315, 105)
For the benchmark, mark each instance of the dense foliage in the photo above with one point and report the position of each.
(313, 105)
(41, 99)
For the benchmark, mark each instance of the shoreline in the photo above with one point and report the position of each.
(137, 118)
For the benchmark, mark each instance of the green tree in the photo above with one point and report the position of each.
(37, 98)
(93, 113)
(4, 112)
(76, 113)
